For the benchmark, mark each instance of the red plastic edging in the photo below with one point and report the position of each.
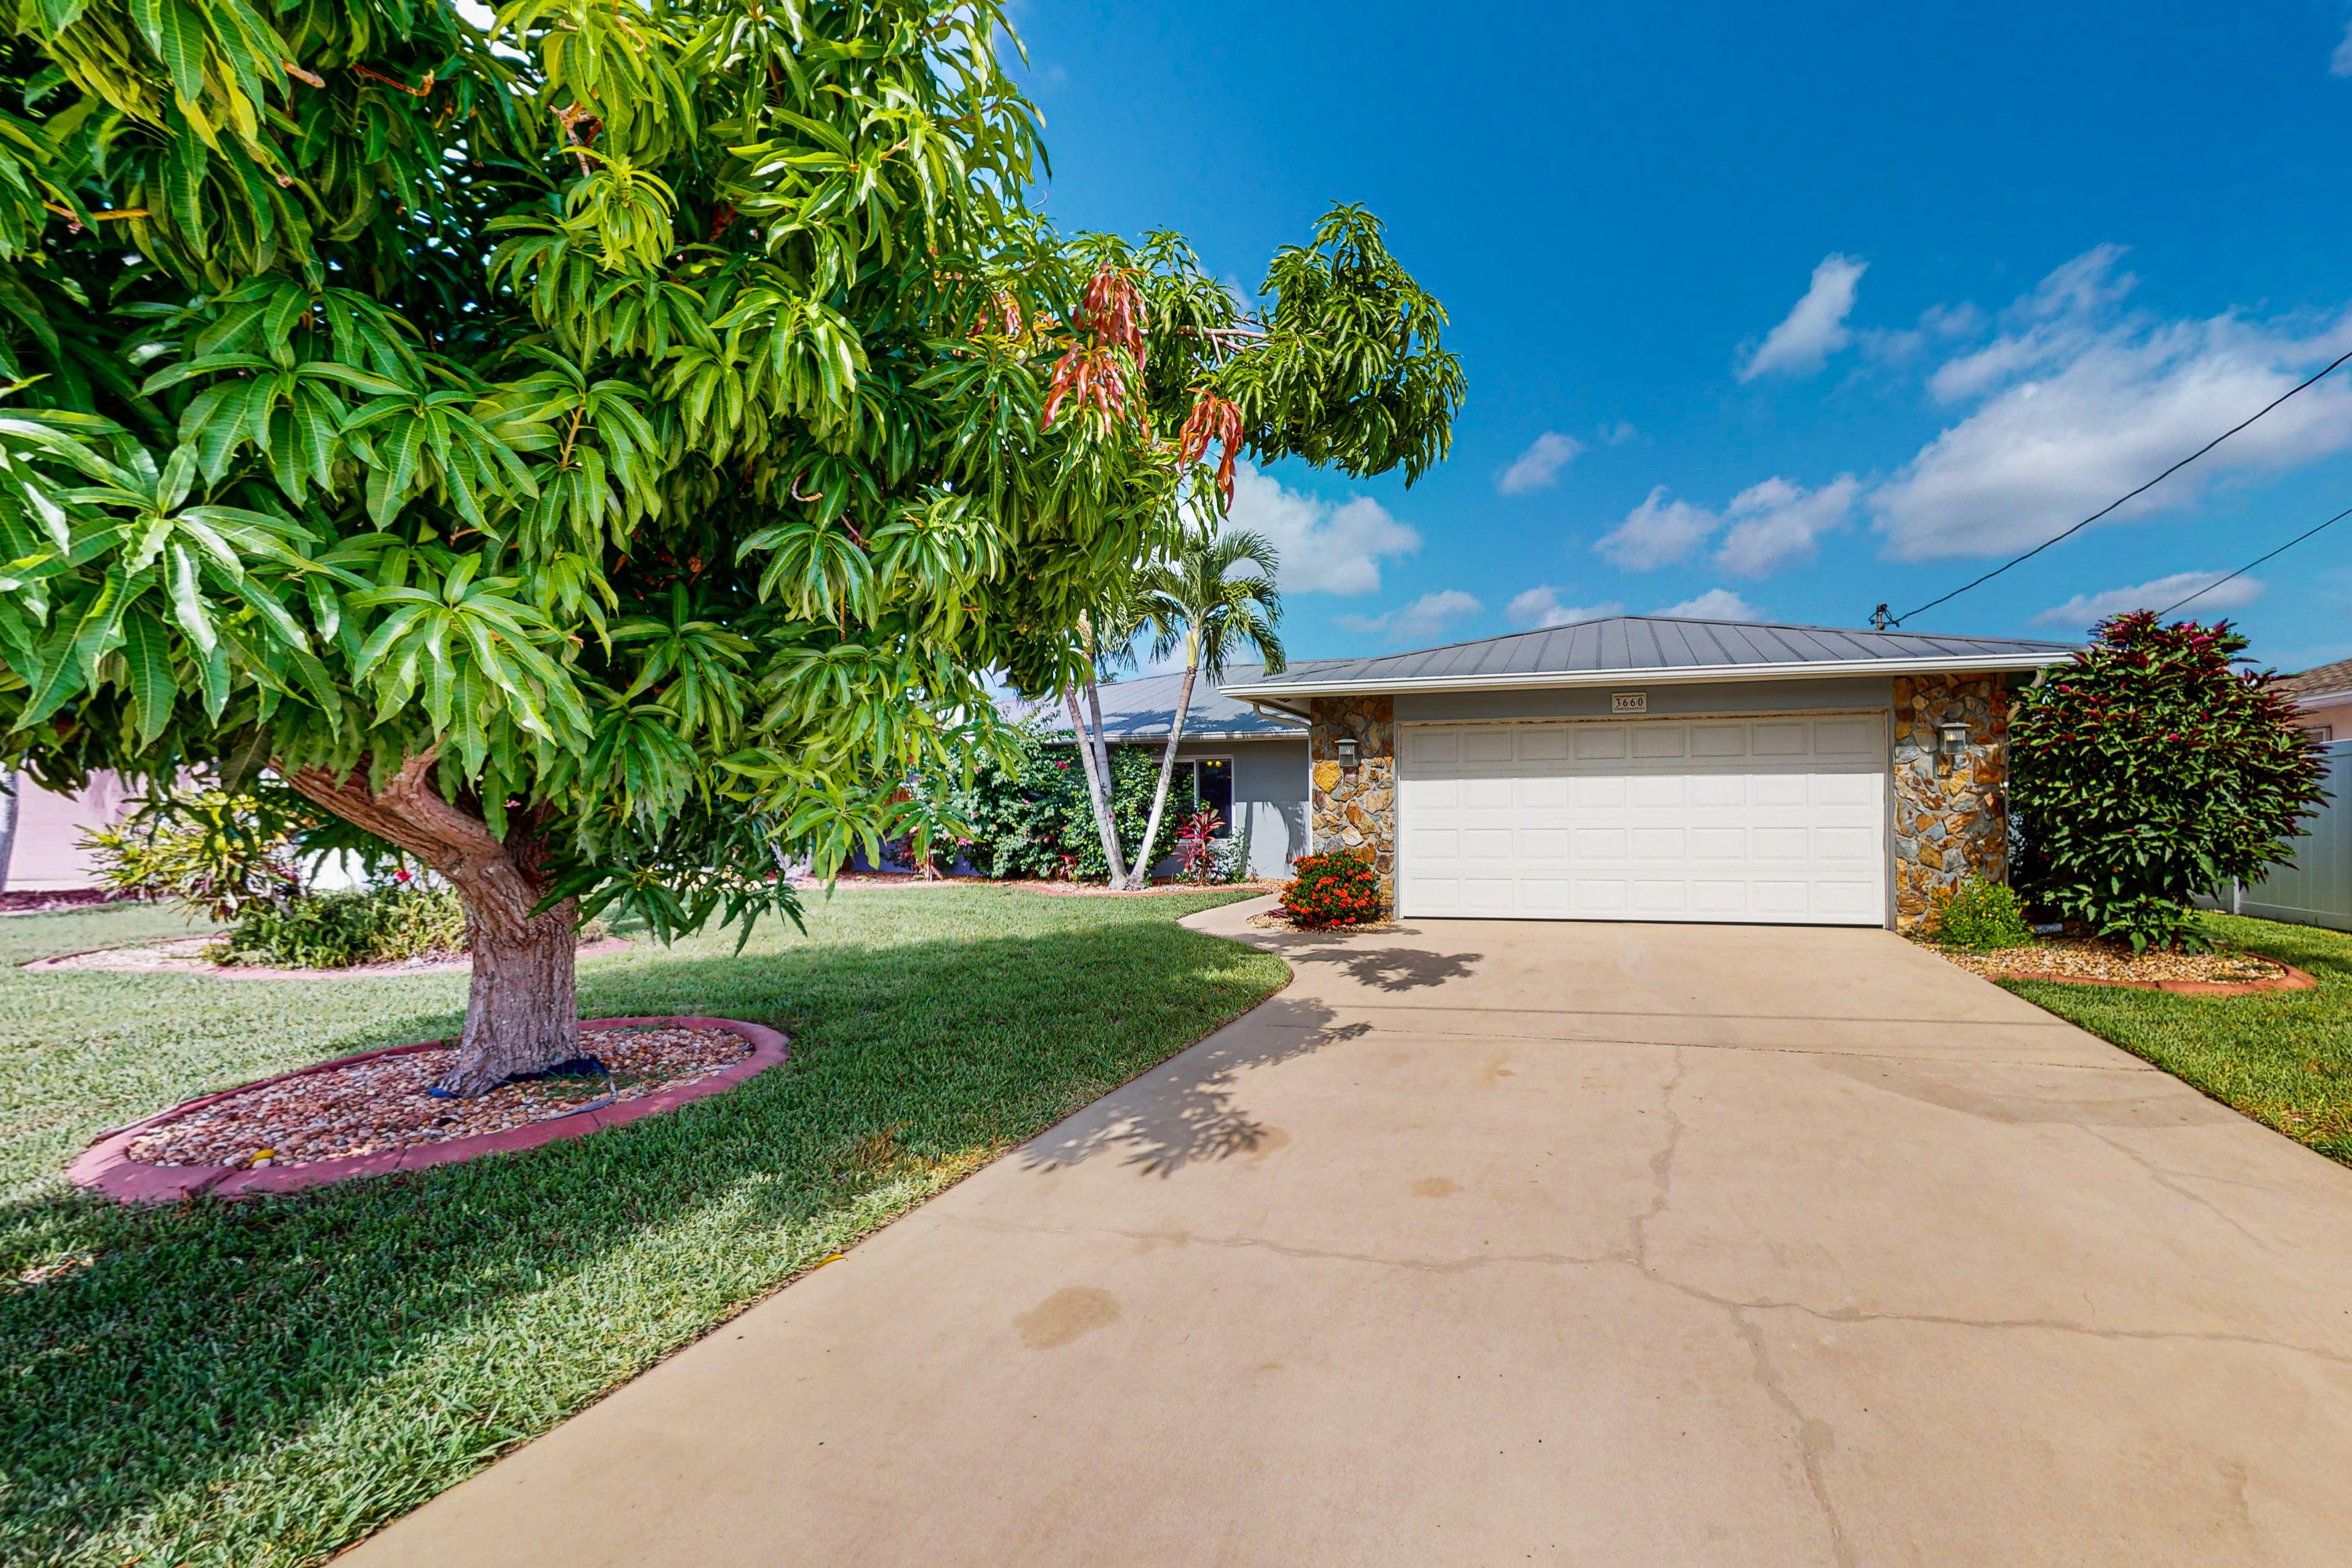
(105, 1166)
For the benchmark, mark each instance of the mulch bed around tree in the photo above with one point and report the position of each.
(369, 1115)
(2087, 960)
(366, 1107)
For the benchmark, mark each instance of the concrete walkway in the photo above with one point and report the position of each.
(1489, 1242)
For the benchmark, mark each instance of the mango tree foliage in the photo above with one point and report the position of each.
(601, 451)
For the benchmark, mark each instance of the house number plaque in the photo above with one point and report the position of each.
(1629, 702)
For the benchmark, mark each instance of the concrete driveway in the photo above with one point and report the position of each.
(1489, 1242)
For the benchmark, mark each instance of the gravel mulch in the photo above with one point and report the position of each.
(2088, 958)
(370, 1106)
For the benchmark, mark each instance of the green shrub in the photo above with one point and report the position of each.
(1981, 915)
(225, 854)
(335, 931)
(1029, 817)
(1341, 889)
(2149, 770)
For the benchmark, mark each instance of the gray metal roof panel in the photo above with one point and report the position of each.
(1143, 707)
(1634, 643)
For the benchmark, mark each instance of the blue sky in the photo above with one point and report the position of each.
(1784, 309)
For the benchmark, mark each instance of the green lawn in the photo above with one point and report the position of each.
(266, 1381)
(2283, 1058)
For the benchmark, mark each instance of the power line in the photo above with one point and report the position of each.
(2257, 561)
(2241, 424)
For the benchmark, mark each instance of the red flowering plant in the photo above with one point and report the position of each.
(2151, 768)
(1196, 844)
(1341, 889)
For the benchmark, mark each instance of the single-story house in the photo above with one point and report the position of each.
(1250, 764)
(2325, 695)
(1643, 767)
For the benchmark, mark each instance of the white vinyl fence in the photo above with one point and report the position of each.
(2317, 890)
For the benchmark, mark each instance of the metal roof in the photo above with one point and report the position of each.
(1656, 648)
(1143, 709)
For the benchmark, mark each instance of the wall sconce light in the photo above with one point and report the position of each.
(1954, 738)
(1347, 754)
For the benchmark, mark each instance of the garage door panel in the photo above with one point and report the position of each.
(1771, 819)
(1432, 745)
(1543, 794)
(1597, 743)
(1864, 738)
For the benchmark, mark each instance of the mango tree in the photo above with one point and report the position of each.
(599, 451)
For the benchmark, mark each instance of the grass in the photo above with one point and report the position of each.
(265, 1381)
(2283, 1057)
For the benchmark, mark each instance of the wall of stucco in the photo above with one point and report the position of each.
(1666, 700)
(1270, 798)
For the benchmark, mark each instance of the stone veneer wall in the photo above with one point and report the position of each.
(1354, 809)
(1951, 814)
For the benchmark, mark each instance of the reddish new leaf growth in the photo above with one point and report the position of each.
(1093, 377)
(1114, 312)
(1112, 315)
(1002, 316)
(1217, 419)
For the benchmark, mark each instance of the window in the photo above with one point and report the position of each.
(2322, 733)
(1213, 786)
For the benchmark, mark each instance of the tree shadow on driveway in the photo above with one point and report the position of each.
(1390, 969)
(1186, 1110)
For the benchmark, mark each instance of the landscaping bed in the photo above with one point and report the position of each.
(201, 955)
(261, 1383)
(380, 1101)
(2092, 961)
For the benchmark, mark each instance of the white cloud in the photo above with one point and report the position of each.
(2087, 609)
(1617, 432)
(1775, 523)
(1772, 523)
(2076, 404)
(1325, 547)
(1657, 532)
(1537, 467)
(1715, 604)
(2340, 62)
(1420, 621)
(1815, 328)
(1540, 607)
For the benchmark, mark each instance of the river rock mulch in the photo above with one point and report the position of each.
(368, 1107)
(2088, 958)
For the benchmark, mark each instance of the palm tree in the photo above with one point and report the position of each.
(1197, 603)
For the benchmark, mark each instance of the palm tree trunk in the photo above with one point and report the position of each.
(1095, 791)
(11, 781)
(1142, 876)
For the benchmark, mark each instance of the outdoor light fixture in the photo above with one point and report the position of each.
(1955, 739)
(1348, 754)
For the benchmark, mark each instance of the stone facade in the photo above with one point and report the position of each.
(1355, 808)
(1951, 814)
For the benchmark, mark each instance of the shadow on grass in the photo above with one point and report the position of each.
(155, 1393)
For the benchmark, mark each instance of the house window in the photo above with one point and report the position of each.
(2322, 733)
(1213, 786)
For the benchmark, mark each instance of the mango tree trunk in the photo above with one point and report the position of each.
(522, 1010)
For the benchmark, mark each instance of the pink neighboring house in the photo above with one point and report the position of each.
(45, 857)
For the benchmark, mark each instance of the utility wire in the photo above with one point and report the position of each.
(2241, 424)
(2250, 565)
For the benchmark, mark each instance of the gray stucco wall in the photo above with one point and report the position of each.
(1269, 798)
(1666, 699)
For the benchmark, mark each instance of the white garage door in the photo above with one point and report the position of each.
(1664, 819)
